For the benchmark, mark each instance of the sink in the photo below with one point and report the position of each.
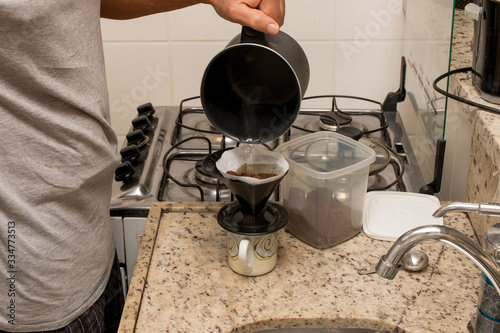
(321, 330)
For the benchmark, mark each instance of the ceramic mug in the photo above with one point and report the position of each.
(252, 255)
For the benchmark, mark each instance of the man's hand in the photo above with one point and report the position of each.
(262, 15)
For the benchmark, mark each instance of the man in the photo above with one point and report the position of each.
(58, 156)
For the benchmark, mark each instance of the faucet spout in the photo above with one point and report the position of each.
(388, 266)
(483, 208)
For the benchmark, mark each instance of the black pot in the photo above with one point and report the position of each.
(251, 91)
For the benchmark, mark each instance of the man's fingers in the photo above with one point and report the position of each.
(262, 15)
(274, 8)
(256, 19)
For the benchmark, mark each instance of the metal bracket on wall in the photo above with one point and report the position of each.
(435, 186)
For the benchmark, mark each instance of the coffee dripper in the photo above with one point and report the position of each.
(252, 213)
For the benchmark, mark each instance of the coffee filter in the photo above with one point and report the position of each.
(268, 161)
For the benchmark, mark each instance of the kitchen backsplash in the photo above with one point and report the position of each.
(354, 47)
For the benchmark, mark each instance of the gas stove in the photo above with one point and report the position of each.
(161, 160)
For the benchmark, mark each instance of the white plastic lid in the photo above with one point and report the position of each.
(389, 214)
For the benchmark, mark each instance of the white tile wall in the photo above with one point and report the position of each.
(136, 72)
(353, 47)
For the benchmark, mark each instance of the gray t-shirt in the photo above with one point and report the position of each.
(57, 158)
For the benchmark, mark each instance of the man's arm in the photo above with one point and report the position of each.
(263, 15)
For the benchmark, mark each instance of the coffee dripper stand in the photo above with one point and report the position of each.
(252, 214)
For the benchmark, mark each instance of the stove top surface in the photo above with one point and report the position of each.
(179, 138)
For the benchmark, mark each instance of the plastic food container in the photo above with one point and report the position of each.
(325, 187)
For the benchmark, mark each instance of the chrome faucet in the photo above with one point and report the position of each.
(389, 264)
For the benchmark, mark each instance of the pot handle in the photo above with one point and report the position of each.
(252, 36)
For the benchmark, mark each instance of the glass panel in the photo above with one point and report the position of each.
(427, 49)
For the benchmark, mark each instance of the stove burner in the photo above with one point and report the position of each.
(203, 175)
(208, 166)
(205, 125)
(351, 132)
(271, 219)
(314, 126)
(330, 121)
(210, 189)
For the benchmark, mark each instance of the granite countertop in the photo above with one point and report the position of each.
(182, 282)
(486, 124)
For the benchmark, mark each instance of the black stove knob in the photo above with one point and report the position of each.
(137, 137)
(147, 110)
(131, 153)
(124, 172)
(143, 123)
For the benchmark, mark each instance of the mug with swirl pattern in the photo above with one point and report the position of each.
(252, 255)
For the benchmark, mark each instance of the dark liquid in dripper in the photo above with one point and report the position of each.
(254, 171)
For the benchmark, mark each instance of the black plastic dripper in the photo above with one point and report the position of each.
(252, 197)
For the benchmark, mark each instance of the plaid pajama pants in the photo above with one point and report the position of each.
(104, 315)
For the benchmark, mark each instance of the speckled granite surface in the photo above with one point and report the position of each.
(183, 283)
(463, 31)
(483, 178)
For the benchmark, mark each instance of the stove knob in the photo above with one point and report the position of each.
(124, 172)
(137, 138)
(142, 123)
(147, 110)
(131, 153)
